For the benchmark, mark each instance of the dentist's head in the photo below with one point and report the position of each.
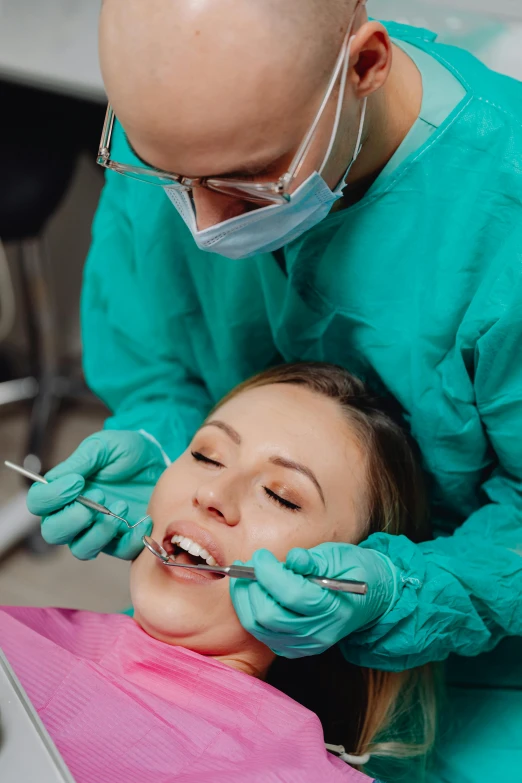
(223, 93)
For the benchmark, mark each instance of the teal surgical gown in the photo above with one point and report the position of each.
(417, 288)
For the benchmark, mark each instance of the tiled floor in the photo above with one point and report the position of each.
(57, 578)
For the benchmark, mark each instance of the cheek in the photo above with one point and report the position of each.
(280, 535)
(348, 532)
(140, 573)
(173, 488)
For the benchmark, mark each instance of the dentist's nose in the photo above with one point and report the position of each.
(218, 499)
(212, 208)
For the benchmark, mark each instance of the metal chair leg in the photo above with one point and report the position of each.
(18, 390)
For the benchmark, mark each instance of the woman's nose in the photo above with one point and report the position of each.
(212, 208)
(218, 499)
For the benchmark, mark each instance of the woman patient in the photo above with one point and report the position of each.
(295, 457)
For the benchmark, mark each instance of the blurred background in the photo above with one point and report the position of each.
(52, 105)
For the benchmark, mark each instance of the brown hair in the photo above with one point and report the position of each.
(359, 707)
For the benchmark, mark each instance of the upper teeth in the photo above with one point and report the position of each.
(192, 548)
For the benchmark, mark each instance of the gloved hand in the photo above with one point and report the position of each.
(296, 618)
(117, 468)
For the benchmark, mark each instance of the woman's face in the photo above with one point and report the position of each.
(276, 467)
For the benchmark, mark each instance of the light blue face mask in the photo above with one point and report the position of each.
(269, 228)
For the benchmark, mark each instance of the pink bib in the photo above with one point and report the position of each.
(123, 707)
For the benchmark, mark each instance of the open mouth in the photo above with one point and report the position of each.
(187, 552)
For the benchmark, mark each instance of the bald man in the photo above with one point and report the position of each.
(302, 183)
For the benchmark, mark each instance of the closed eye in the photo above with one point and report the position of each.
(281, 501)
(199, 457)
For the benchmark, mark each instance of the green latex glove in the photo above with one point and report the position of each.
(296, 618)
(117, 468)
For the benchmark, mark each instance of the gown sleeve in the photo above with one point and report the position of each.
(463, 593)
(131, 353)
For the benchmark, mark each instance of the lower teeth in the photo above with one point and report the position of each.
(194, 558)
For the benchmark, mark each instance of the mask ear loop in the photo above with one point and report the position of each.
(358, 143)
(342, 88)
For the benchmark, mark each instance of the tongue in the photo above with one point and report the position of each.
(186, 559)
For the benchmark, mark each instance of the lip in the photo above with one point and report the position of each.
(186, 575)
(199, 535)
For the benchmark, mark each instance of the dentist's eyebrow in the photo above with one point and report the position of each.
(230, 431)
(291, 465)
(249, 169)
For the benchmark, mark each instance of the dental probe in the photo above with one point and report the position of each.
(81, 498)
(245, 572)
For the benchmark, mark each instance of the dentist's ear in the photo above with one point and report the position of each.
(370, 59)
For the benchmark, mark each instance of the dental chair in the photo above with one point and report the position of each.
(41, 136)
(27, 752)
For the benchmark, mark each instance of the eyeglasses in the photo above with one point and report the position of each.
(257, 192)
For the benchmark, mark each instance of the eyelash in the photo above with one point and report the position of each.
(281, 501)
(287, 504)
(199, 457)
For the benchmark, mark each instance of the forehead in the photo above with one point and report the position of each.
(297, 423)
(217, 133)
(190, 102)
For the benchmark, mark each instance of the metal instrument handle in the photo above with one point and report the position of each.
(24, 472)
(41, 480)
(93, 505)
(341, 585)
(241, 572)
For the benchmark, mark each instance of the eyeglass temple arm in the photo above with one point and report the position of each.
(307, 142)
(106, 135)
(303, 149)
(338, 112)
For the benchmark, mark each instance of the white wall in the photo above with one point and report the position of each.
(491, 30)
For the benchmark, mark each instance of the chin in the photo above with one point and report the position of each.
(165, 624)
(198, 617)
(161, 610)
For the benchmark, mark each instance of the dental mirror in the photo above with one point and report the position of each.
(155, 548)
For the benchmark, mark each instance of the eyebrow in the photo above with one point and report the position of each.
(230, 431)
(250, 169)
(281, 461)
(291, 465)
